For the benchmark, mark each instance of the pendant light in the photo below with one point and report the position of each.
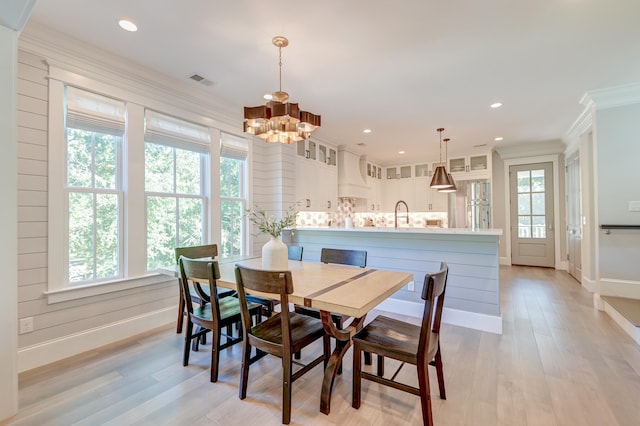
(453, 187)
(440, 179)
(279, 120)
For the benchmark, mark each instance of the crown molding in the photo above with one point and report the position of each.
(612, 97)
(582, 124)
(14, 14)
(532, 149)
(80, 58)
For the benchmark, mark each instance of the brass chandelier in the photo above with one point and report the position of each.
(278, 120)
(440, 179)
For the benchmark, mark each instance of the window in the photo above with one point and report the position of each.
(233, 159)
(94, 129)
(126, 186)
(176, 155)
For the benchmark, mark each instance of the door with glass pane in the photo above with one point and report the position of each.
(532, 233)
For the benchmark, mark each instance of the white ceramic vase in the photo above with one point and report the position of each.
(275, 255)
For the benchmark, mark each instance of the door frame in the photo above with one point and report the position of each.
(554, 159)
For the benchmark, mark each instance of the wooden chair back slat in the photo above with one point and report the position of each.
(197, 252)
(344, 257)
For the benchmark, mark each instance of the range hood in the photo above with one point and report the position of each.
(352, 176)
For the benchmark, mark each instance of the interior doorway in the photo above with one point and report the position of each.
(574, 217)
(532, 214)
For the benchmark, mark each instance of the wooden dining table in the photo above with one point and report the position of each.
(346, 290)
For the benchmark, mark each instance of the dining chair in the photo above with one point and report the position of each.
(209, 251)
(268, 305)
(339, 257)
(407, 343)
(295, 252)
(212, 316)
(281, 335)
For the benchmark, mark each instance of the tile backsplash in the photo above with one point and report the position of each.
(346, 207)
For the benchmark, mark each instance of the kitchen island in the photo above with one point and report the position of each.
(473, 287)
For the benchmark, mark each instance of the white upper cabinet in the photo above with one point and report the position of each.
(374, 179)
(397, 186)
(307, 149)
(316, 176)
(470, 166)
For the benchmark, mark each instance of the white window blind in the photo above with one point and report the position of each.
(90, 111)
(233, 147)
(166, 130)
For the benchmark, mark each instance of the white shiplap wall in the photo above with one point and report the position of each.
(57, 325)
(273, 181)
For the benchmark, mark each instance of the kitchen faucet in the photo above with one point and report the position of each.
(395, 220)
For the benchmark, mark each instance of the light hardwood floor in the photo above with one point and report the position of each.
(558, 362)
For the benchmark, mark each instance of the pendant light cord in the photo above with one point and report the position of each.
(440, 130)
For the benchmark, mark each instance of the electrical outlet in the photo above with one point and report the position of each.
(411, 286)
(26, 325)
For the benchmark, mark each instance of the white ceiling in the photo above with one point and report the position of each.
(400, 68)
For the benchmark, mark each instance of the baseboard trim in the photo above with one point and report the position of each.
(624, 323)
(54, 350)
(620, 288)
(482, 322)
(505, 261)
(588, 284)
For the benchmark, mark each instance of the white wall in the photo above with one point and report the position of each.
(551, 151)
(273, 182)
(8, 211)
(618, 182)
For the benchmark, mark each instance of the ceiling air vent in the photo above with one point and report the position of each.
(200, 79)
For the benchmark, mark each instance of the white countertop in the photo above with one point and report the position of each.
(448, 231)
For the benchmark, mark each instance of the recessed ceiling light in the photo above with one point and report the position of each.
(127, 25)
(367, 130)
(496, 105)
(400, 152)
(268, 96)
(499, 138)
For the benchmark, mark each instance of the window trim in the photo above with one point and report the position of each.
(244, 197)
(137, 97)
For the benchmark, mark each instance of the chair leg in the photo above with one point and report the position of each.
(215, 354)
(357, 380)
(187, 343)
(244, 374)
(195, 343)
(326, 349)
(180, 315)
(425, 393)
(286, 388)
(229, 331)
(380, 365)
(440, 373)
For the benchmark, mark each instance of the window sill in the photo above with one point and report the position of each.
(79, 292)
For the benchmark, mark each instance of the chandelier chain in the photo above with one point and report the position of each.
(280, 65)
